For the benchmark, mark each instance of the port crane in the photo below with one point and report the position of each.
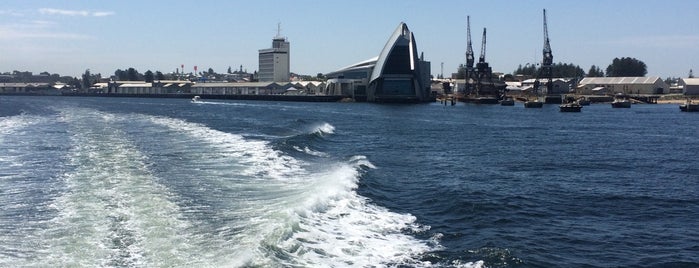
(482, 68)
(469, 48)
(547, 61)
(470, 75)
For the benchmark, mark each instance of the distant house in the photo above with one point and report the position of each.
(625, 85)
(690, 86)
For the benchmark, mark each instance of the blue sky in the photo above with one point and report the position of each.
(70, 36)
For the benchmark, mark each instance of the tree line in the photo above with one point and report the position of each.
(619, 67)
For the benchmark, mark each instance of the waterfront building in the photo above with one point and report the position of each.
(274, 64)
(623, 85)
(690, 86)
(246, 88)
(559, 85)
(396, 75)
(30, 88)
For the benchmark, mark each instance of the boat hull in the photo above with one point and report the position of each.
(689, 107)
(621, 104)
(570, 108)
(533, 104)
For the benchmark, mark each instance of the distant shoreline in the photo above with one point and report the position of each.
(300, 98)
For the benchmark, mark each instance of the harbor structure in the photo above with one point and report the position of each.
(396, 75)
(622, 85)
(274, 62)
(690, 86)
(479, 84)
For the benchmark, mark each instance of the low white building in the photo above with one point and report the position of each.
(690, 86)
(560, 85)
(624, 85)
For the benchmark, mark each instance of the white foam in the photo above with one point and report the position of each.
(324, 128)
(12, 124)
(264, 208)
(310, 151)
(316, 218)
(114, 212)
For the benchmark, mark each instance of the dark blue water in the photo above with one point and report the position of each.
(243, 183)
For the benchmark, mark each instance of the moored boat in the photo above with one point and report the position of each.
(507, 101)
(621, 103)
(689, 106)
(533, 104)
(570, 107)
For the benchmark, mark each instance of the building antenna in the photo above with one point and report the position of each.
(279, 29)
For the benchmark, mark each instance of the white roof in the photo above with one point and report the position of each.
(619, 80)
(690, 81)
(531, 81)
(137, 85)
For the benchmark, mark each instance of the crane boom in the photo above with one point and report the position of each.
(548, 56)
(469, 49)
(481, 59)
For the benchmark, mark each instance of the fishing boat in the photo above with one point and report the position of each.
(507, 101)
(570, 107)
(536, 103)
(689, 106)
(621, 102)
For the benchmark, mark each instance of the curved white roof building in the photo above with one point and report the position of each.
(396, 75)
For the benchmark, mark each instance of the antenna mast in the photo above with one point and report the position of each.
(279, 29)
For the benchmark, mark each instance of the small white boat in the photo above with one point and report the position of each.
(196, 99)
(621, 102)
(689, 106)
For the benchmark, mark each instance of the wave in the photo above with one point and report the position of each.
(302, 217)
(147, 190)
(11, 124)
(323, 129)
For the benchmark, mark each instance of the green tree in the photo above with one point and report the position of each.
(557, 70)
(211, 71)
(132, 75)
(148, 76)
(159, 75)
(595, 72)
(86, 83)
(75, 82)
(626, 67)
(229, 70)
(528, 69)
(121, 75)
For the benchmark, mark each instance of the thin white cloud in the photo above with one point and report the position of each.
(12, 13)
(102, 13)
(37, 29)
(67, 12)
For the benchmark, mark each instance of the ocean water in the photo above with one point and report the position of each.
(126, 182)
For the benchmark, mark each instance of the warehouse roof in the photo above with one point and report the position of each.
(619, 80)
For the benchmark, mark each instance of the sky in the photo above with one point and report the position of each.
(70, 36)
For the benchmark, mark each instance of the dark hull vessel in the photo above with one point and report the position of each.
(572, 107)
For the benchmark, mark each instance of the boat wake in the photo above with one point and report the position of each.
(143, 190)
